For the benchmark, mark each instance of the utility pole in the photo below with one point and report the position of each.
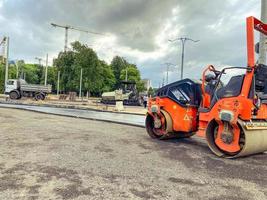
(2, 43)
(168, 70)
(167, 75)
(81, 78)
(183, 40)
(46, 66)
(58, 78)
(14, 62)
(163, 79)
(66, 38)
(123, 60)
(126, 76)
(7, 58)
(17, 68)
(263, 38)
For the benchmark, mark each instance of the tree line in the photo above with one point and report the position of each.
(98, 76)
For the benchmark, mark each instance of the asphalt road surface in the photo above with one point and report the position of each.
(52, 157)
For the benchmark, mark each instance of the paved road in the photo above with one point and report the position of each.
(122, 118)
(52, 157)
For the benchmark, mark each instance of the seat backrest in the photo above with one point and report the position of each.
(232, 89)
(260, 78)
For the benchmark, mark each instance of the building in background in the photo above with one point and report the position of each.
(147, 83)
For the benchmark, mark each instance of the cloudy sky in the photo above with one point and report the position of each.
(138, 30)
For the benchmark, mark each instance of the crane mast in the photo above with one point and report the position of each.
(67, 27)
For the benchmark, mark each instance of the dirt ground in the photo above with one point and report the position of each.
(50, 157)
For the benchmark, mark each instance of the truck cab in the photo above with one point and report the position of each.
(11, 84)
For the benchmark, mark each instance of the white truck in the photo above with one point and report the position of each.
(17, 88)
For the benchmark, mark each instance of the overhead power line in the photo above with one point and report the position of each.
(183, 40)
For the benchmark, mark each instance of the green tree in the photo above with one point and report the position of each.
(2, 77)
(109, 77)
(52, 77)
(86, 59)
(32, 72)
(97, 75)
(12, 72)
(117, 65)
(65, 64)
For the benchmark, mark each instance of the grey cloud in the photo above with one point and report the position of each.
(136, 23)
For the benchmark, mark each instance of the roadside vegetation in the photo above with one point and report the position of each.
(98, 76)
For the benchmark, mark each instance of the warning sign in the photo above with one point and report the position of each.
(186, 117)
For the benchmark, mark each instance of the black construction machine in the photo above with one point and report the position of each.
(127, 92)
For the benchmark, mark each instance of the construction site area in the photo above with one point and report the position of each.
(111, 116)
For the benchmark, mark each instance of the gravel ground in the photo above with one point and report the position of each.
(51, 157)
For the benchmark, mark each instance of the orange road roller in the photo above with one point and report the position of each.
(228, 107)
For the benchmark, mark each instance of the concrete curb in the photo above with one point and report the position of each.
(70, 116)
(69, 107)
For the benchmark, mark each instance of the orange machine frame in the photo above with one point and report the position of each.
(189, 119)
(241, 106)
(187, 114)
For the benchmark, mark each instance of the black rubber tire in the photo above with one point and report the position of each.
(38, 97)
(14, 95)
(149, 127)
(171, 135)
(42, 97)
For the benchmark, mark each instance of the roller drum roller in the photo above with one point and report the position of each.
(253, 141)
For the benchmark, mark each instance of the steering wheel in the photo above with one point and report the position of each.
(216, 72)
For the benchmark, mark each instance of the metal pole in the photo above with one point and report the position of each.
(183, 39)
(46, 66)
(58, 77)
(168, 64)
(81, 77)
(7, 58)
(17, 67)
(182, 61)
(167, 77)
(66, 39)
(126, 76)
(263, 38)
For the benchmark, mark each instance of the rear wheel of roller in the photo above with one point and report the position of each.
(159, 126)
